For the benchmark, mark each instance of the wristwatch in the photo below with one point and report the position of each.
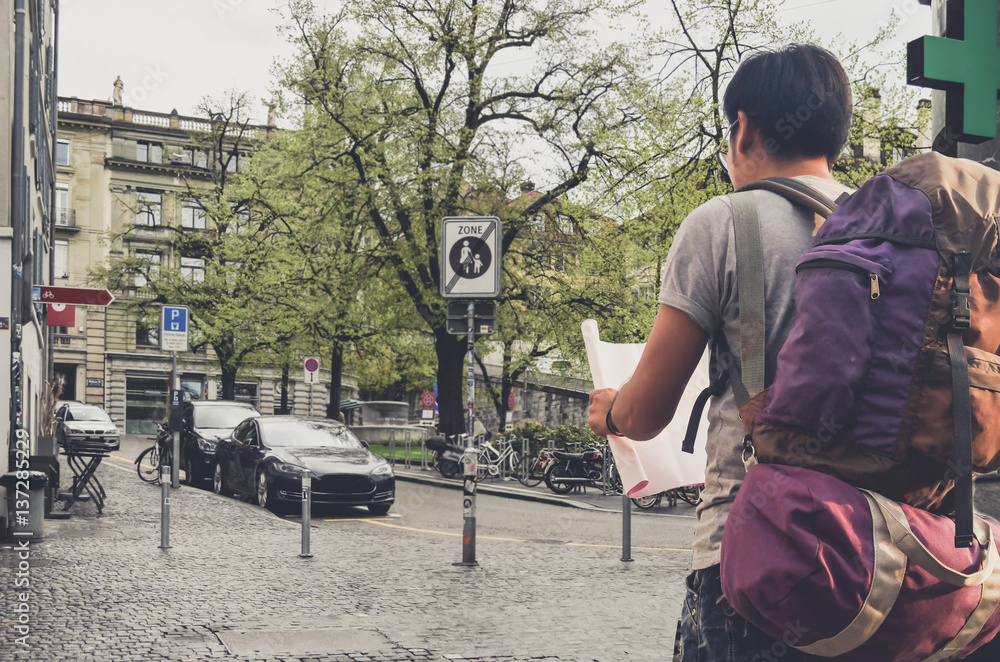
(610, 424)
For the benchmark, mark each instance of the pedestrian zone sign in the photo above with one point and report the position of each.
(470, 257)
(174, 322)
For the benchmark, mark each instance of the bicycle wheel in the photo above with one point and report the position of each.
(513, 464)
(647, 502)
(691, 494)
(530, 472)
(148, 465)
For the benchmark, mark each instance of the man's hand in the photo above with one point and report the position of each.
(600, 404)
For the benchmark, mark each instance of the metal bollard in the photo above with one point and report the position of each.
(165, 507)
(392, 448)
(306, 512)
(469, 508)
(626, 528)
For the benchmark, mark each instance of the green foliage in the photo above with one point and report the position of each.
(562, 437)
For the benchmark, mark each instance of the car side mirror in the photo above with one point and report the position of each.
(365, 444)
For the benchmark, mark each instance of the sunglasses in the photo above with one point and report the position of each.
(723, 154)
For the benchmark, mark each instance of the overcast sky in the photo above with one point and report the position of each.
(171, 53)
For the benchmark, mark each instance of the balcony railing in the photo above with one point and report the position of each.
(65, 217)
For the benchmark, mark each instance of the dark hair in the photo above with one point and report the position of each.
(799, 98)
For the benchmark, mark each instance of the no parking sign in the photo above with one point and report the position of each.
(311, 366)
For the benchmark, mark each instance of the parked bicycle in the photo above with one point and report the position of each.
(531, 470)
(151, 461)
(689, 494)
(494, 461)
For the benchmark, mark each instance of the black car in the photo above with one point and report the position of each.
(205, 423)
(84, 428)
(265, 458)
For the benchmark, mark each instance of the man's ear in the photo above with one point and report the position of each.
(747, 136)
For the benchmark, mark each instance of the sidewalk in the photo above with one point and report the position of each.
(232, 587)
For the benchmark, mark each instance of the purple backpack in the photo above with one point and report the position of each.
(903, 277)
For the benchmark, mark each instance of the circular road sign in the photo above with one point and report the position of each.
(428, 399)
(312, 365)
(510, 400)
(470, 257)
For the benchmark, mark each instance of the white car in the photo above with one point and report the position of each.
(86, 428)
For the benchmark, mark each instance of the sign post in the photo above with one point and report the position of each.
(471, 259)
(174, 322)
(311, 376)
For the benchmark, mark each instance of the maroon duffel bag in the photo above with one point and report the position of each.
(847, 574)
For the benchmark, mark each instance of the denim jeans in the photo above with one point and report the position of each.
(712, 632)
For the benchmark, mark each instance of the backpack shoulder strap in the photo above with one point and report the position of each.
(749, 381)
(750, 281)
(798, 193)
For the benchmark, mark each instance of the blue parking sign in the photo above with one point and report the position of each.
(174, 328)
(175, 318)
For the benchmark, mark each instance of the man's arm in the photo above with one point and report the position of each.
(646, 404)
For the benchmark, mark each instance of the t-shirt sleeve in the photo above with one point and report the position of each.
(695, 276)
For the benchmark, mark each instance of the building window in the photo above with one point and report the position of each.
(60, 256)
(148, 267)
(195, 157)
(147, 334)
(242, 392)
(565, 223)
(537, 223)
(148, 152)
(64, 215)
(62, 152)
(193, 269)
(233, 164)
(148, 208)
(192, 215)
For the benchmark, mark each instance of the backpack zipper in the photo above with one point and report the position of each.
(874, 290)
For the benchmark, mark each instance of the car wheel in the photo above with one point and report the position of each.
(264, 493)
(189, 475)
(219, 481)
(379, 508)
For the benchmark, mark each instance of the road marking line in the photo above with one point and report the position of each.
(410, 528)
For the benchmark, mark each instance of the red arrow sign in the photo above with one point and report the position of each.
(80, 296)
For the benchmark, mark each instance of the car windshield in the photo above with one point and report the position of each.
(222, 416)
(308, 434)
(86, 413)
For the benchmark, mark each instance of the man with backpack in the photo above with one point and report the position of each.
(789, 113)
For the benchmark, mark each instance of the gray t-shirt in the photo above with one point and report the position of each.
(700, 279)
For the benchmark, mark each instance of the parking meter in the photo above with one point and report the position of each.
(176, 410)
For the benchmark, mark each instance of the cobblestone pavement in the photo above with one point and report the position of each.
(232, 587)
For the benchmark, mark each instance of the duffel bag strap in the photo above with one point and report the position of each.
(902, 535)
(888, 572)
(988, 601)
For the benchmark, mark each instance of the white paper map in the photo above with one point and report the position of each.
(649, 467)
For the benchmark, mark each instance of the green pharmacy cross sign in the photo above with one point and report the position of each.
(965, 63)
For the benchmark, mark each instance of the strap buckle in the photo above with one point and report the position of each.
(961, 314)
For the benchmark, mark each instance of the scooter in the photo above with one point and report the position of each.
(571, 470)
(447, 457)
